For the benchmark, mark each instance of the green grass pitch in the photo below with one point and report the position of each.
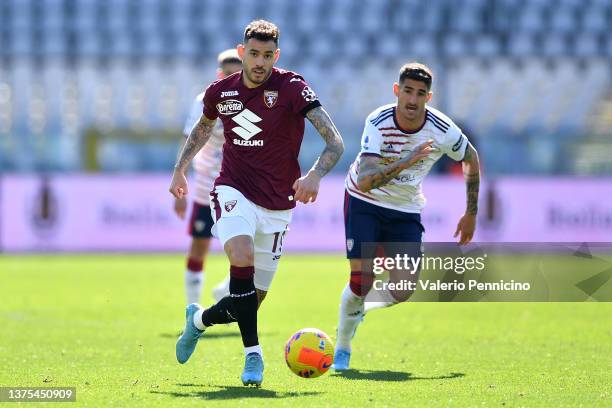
(107, 326)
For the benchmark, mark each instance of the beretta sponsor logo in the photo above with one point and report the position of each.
(229, 107)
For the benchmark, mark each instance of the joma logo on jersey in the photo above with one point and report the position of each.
(229, 107)
(247, 129)
(229, 93)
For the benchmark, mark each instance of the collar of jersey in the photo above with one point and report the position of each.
(243, 86)
(408, 132)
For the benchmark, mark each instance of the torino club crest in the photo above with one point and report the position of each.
(229, 206)
(270, 98)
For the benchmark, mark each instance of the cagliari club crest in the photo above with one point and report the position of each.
(229, 206)
(270, 98)
(349, 244)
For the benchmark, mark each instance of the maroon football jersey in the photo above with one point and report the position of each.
(263, 130)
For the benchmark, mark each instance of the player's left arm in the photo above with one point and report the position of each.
(180, 204)
(471, 174)
(307, 187)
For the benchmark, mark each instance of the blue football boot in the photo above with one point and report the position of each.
(341, 360)
(253, 370)
(186, 344)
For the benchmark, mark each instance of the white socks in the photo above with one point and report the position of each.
(197, 319)
(351, 313)
(385, 300)
(253, 349)
(221, 290)
(193, 286)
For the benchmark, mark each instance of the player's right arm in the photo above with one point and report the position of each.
(372, 174)
(200, 133)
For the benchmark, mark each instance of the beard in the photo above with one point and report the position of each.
(251, 76)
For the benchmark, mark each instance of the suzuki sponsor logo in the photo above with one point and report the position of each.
(229, 107)
(240, 142)
(247, 129)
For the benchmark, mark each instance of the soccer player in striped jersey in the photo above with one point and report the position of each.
(383, 199)
(207, 164)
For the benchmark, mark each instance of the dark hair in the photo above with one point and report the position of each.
(418, 72)
(261, 30)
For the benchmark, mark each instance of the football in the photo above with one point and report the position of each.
(309, 353)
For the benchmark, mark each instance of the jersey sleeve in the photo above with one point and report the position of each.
(455, 143)
(194, 115)
(371, 139)
(303, 98)
(210, 102)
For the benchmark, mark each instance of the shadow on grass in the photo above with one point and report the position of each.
(388, 375)
(233, 392)
(212, 335)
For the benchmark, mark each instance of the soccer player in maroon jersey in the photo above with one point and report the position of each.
(262, 109)
(207, 164)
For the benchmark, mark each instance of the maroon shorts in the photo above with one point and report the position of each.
(200, 222)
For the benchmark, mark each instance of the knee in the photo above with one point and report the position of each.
(240, 252)
(401, 295)
(361, 282)
(199, 248)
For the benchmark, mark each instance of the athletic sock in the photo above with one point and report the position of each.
(253, 349)
(194, 280)
(197, 319)
(242, 292)
(384, 299)
(222, 312)
(351, 313)
(222, 289)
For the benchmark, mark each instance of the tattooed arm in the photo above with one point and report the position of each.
(200, 133)
(334, 146)
(373, 175)
(180, 204)
(307, 187)
(471, 174)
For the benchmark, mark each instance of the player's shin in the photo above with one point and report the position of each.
(222, 312)
(244, 297)
(194, 280)
(351, 313)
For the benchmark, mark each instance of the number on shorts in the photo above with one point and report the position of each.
(278, 236)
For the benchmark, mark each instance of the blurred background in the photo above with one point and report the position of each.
(94, 94)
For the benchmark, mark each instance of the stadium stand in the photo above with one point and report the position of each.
(518, 73)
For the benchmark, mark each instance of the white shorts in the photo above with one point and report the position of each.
(235, 215)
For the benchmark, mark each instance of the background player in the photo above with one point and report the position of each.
(399, 145)
(207, 164)
(263, 110)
